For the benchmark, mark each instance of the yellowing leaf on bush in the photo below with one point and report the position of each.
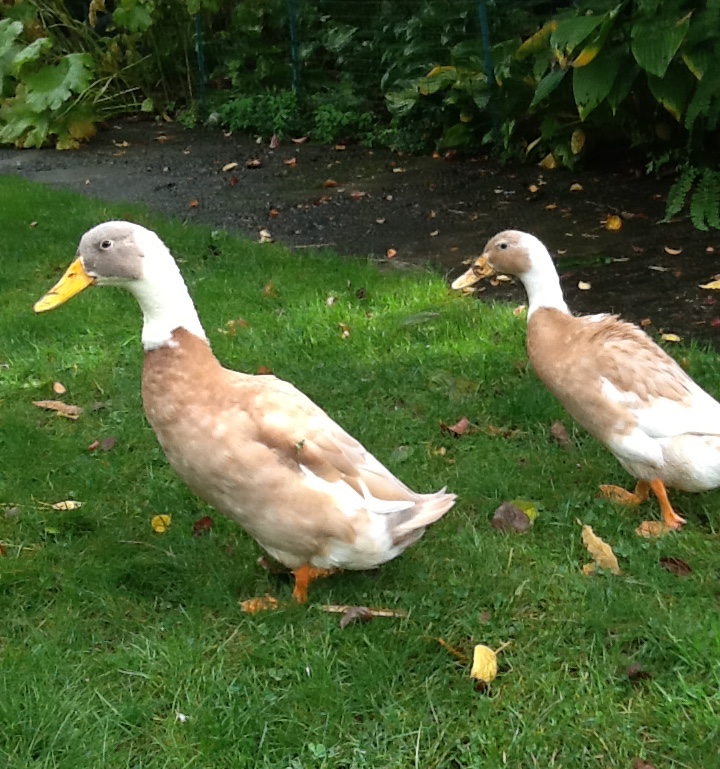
(161, 523)
(600, 551)
(484, 667)
(577, 141)
(67, 504)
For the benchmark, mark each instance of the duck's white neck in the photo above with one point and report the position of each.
(542, 283)
(166, 305)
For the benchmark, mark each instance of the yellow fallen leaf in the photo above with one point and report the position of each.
(576, 187)
(255, 605)
(672, 338)
(652, 529)
(583, 286)
(59, 388)
(673, 251)
(67, 504)
(484, 667)
(229, 166)
(160, 523)
(714, 285)
(600, 551)
(613, 223)
(533, 188)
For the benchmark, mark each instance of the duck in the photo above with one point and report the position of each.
(614, 380)
(254, 447)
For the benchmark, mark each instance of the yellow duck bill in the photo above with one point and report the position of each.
(480, 269)
(72, 282)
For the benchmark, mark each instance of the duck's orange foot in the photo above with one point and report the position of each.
(670, 518)
(625, 497)
(304, 576)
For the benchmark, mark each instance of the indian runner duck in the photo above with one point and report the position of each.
(614, 380)
(254, 447)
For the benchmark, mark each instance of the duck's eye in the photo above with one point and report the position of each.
(502, 246)
(106, 244)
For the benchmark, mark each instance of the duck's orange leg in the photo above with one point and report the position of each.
(303, 577)
(670, 518)
(625, 497)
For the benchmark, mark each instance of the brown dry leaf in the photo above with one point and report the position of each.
(509, 518)
(645, 322)
(160, 523)
(714, 285)
(673, 251)
(265, 236)
(676, 566)
(356, 614)
(300, 140)
(559, 433)
(67, 504)
(533, 188)
(357, 194)
(459, 654)
(635, 672)
(253, 163)
(340, 148)
(255, 605)
(334, 608)
(344, 330)
(600, 551)
(671, 338)
(194, 203)
(94, 446)
(458, 429)
(329, 183)
(274, 212)
(263, 370)
(202, 526)
(229, 166)
(274, 142)
(641, 763)
(63, 409)
(613, 223)
(551, 206)
(576, 187)
(59, 388)
(391, 253)
(290, 162)
(583, 286)
(521, 309)
(484, 667)
(652, 529)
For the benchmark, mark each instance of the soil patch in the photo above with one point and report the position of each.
(359, 202)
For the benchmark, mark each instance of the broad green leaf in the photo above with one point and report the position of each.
(51, 86)
(9, 33)
(594, 44)
(547, 85)
(133, 16)
(592, 83)
(401, 102)
(626, 75)
(570, 32)
(673, 91)
(655, 43)
(698, 61)
(21, 124)
(437, 79)
(30, 53)
(456, 136)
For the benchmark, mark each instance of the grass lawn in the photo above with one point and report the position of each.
(111, 631)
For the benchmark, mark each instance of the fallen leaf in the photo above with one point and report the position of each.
(645, 322)
(329, 183)
(229, 166)
(255, 605)
(263, 371)
(202, 525)
(274, 142)
(533, 188)
(233, 180)
(583, 286)
(356, 614)
(509, 518)
(673, 251)
(290, 162)
(398, 170)
(330, 301)
(521, 309)
(194, 203)
(342, 609)
(181, 717)
(108, 444)
(640, 763)
(712, 286)
(652, 529)
(635, 672)
(672, 338)
(675, 566)
(94, 446)
(274, 212)
(484, 667)
(59, 388)
(67, 504)
(357, 195)
(63, 409)
(391, 253)
(381, 220)
(548, 162)
(559, 433)
(551, 206)
(613, 223)
(253, 163)
(344, 330)
(340, 148)
(577, 141)
(160, 523)
(576, 187)
(300, 140)
(600, 551)
(269, 289)
(458, 429)
(527, 507)
(708, 250)
(265, 236)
